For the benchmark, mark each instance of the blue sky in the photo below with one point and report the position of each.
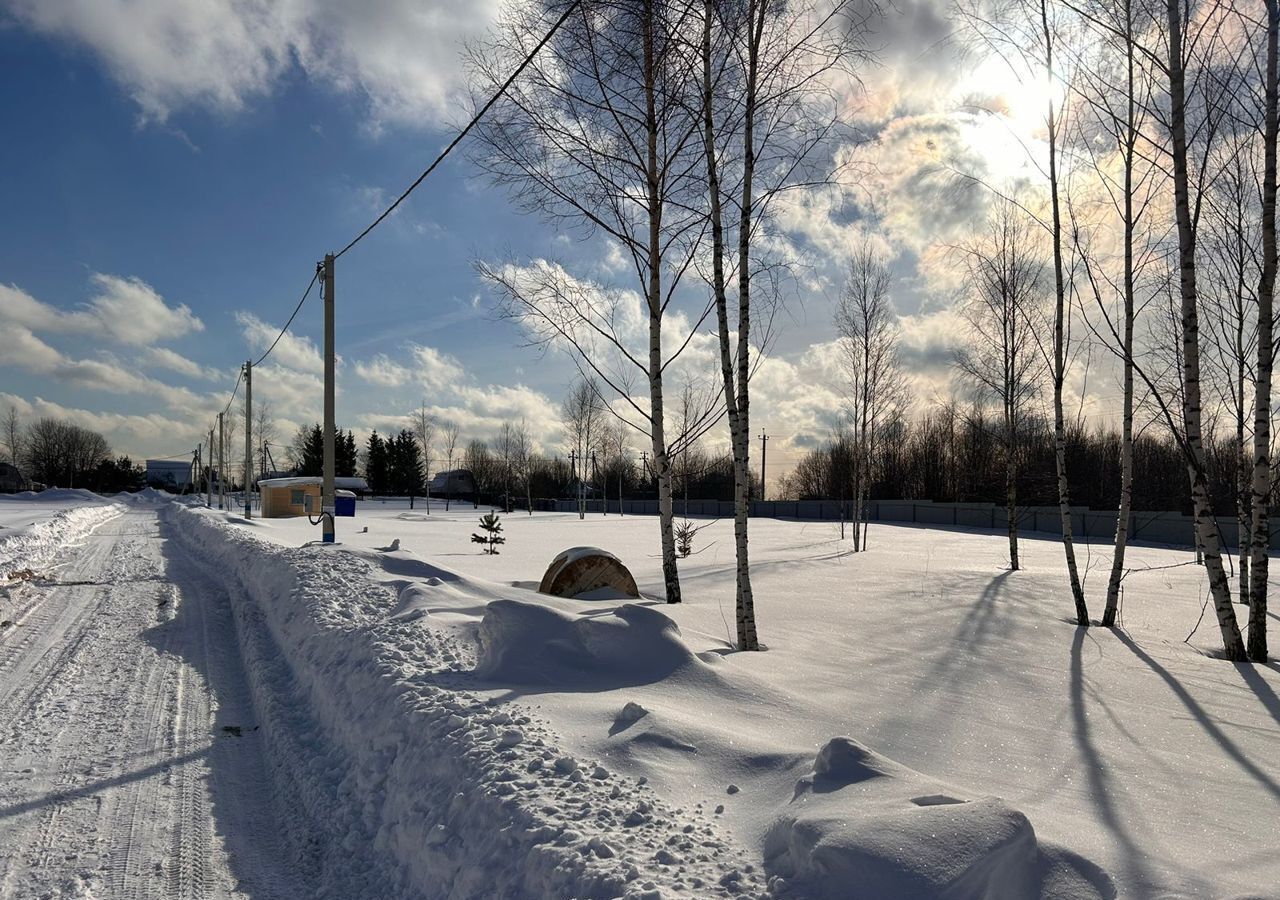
(155, 162)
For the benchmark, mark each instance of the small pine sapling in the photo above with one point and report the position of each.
(684, 538)
(493, 533)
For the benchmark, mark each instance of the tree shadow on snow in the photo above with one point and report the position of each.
(70, 795)
(1203, 718)
(1102, 792)
(1265, 693)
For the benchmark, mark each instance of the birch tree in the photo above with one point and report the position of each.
(868, 333)
(1000, 359)
(1191, 439)
(1114, 88)
(1262, 479)
(765, 110)
(596, 136)
(449, 442)
(423, 426)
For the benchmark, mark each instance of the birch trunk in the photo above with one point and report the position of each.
(1011, 492)
(661, 460)
(1059, 347)
(746, 610)
(735, 383)
(1126, 426)
(1261, 493)
(1220, 588)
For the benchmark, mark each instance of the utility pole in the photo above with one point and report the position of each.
(195, 471)
(208, 475)
(221, 451)
(764, 441)
(326, 489)
(248, 439)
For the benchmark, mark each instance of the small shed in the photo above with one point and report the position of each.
(300, 496)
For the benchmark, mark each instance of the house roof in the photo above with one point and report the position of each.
(352, 483)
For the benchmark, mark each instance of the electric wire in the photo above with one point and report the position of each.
(474, 120)
(410, 189)
(305, 294)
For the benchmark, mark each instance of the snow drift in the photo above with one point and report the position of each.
(861, 825)
(399, 782)
(528, 643)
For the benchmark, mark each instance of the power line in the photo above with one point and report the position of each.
(232, 398)
(474, 119)
(312, 283)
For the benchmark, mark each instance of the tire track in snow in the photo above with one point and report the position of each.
(107, 755)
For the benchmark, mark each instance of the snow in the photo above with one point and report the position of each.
(1135, 751)
(922, 724)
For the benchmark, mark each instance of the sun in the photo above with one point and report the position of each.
(1023, 99)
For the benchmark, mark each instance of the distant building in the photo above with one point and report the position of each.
(453, 483)
(169, 473)
(12, 480)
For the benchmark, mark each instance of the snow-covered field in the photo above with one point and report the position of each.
(428, 725)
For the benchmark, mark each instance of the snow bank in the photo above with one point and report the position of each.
(862, 825)
(399, 782)
(58, 495)
(529, 643)
(34, 545)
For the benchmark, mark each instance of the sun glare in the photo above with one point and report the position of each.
(1023, 101)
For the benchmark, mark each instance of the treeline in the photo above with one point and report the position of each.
(954, 454)
(57, 453)
(507, 475)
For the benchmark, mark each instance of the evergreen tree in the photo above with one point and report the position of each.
(345, 460)
(492, 536)
(376, 468)
(313, 453)
(405, 464)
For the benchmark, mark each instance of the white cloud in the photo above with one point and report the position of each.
(23, 350)
(293, 351)
(137, 436)
(403, 55)
(131, 312)
(124, 310)
(381, 369)
(164, 358)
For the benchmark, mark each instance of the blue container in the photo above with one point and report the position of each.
(344, 506)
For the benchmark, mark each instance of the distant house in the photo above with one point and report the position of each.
(11, 479)
(169, 473)
(300, 496)
(453, 483)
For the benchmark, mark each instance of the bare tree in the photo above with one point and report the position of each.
(1026, 34)
(524, 461)
(1229, 241)
(1114, 86)
(60, 453)
(766, 109)
(264, 428)
(1262, 477)
(507, 449)
(11, 434)
(1191, 438)
(423, 426)
(596, 134)
(581, 418)
(1001, 360)
(449, 441)
(868, 329)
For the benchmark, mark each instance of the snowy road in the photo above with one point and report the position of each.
(121, 694)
